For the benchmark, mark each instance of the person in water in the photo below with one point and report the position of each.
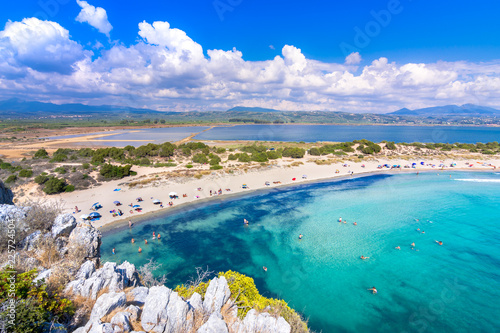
(439, 242)
(140, 250)
(132, 241)
(264, 268)
(300, 236)
(130, 224)
(340, 219)
(154, 236)
(398, 248)
(146, 241)
(413, 244)
(113, 250)
(373, 289)
(363, 257)
(158, 236)
(245, 221)
(355, 223)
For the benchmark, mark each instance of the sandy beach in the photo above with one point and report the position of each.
(157, 185)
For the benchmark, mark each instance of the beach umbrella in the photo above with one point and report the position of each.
(84, 216)
(172, 193)
(116, 202)
(96, 204)
(94, 215)
(135, 206)
(156, 201)
(294, 178)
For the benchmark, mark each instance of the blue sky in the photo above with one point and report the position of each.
(286, 54)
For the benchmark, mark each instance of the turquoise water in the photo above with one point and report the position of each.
(450, 288)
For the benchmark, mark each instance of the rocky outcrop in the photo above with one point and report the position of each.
(90, 282)
(63, 225)
(160, 309)
(13, 213)
(6, 195)
(85, 236)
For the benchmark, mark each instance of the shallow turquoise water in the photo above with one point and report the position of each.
(449, 288)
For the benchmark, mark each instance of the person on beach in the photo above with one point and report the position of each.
(264, 268)
(439, 242)
(300, 236)
(76, 209)
(113, 250)
(373, 289)
(132, 241)
(140, 250)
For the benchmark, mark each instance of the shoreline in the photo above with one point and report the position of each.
(116, 225)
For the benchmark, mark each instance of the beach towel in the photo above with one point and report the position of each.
(117, 189)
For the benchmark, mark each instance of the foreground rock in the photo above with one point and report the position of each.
(160, 309)
(6, 195)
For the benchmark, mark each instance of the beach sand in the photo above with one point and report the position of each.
(159, 187)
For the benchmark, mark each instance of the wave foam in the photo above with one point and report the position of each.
(479, 180)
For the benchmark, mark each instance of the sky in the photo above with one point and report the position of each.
(354, 56)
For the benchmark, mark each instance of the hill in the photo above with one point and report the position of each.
(252, 109)
(450, 110)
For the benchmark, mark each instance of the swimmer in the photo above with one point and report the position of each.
(130, 224)
(340, 219)
(439, 242)
(363, 257)
(132, 241)
(113, 250)
(154, 236)
(355, 223)
(345, 221)
(423, 232)
(413, 244)
(264, 268)
(245, 221)
(398, 248)
(373, 289)
(158, 236)
(140, 250)
(418, 229)
(300, 236)
(146, 241)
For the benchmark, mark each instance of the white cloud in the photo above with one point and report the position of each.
(166, 69)
(353, 59)
(41, 45)
(95, 16)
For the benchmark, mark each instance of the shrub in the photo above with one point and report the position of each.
(114, 171)
(273, 155)
(293, 152)
(85, 165)
(216, 167)
(259, 157)
(69, 188)
(11, 179)
(200, 158)
(233, 157)
(86, 152)
(41, 153)
(189, 166)
(54, 185)
(244, 157)
(26, 173)
(315, 152)
(390, 145)
(145, 161)
(41, 179)
(60, 170)
(59, 158)
(186, 151)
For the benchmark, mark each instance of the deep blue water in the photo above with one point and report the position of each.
(431, 288)
(342, 133)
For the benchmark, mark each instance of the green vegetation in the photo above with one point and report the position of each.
(115, 172)
(11, 179)
(247, 297)
(54, 185)
(41, 153)
(293, 152)
(26, 173)
(34, 303)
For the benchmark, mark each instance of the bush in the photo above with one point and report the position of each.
(41, 179)
(216, 167)
(259, 157)
(244, 157)
(315, 152)
(232, 157)
(186, 151)
(26, 173)
(189, 166)
(59, 158)
(54, 185)
(145, 161)
(85, 165)
(273, 155)
(390, 145)
(41, 153)
(200, 158)
(11, 179)
(293, 152)
(60, 170)
(35, 304)
(69, 188)
(114, 171)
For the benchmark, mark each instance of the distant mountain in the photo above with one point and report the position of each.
(450, 110)
(17, 107)
(250, 109)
